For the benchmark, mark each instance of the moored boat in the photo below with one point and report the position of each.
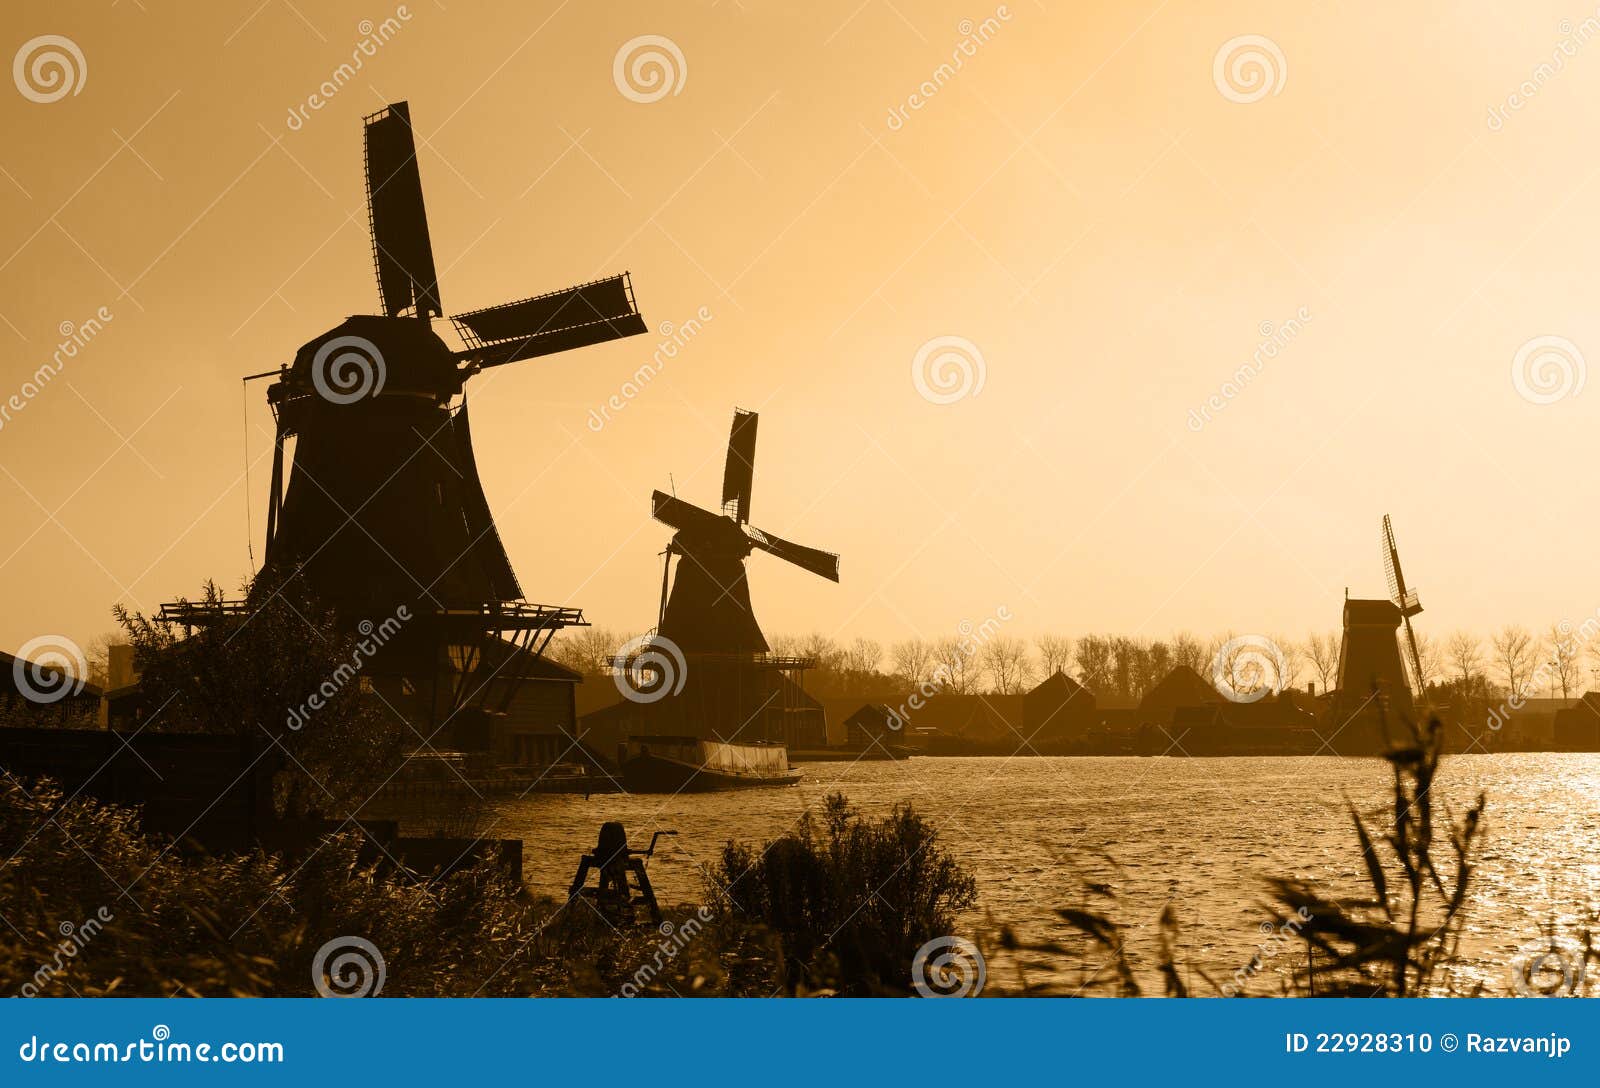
(669, 764)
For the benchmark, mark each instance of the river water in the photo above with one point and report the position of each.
(1199, 833)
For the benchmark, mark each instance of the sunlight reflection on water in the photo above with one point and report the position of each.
(1201, 833)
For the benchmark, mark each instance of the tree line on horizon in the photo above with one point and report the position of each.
(1558, 662)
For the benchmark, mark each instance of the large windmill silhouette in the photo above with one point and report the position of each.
(383, 508)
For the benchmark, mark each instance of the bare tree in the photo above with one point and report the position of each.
(1187, 651)
(863, 656)
(1094, 663)
(1158, 664)
(1429, 661)
(1055, 653)
(953, 665)
(1294, 661)
(586, 650)
(1322, 652)
(1005, 660)
(97, 655)
(1514, 656)
(824, 651)
(912, 658)
(1561, 652)
(1465, 652)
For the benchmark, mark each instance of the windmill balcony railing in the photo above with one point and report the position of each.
(201, 613)
(781, 662)
(511, 616)
(495, 616)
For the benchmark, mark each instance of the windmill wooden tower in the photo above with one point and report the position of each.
(383, 507)
(734, 687)
(1373, 661)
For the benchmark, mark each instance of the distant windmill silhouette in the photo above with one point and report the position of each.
(708, 609)
(1404, 598)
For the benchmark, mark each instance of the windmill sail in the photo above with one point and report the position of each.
(673, 511)
(397, 218)
(815, 560)
(738, 473)
(576, 317)
(1405, 598)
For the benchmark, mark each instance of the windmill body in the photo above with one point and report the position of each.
(709, 611)
(383, 505)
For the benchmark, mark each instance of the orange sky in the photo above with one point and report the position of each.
(1080, 202)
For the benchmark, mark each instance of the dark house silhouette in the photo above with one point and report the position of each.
(874, 724)
(78, 706)
(1269, 726)
(973, 719)
(1577, 728)
(1182, 687)
(1058, 713)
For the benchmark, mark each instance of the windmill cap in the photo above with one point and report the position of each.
(1375, 612)
(385, 355)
